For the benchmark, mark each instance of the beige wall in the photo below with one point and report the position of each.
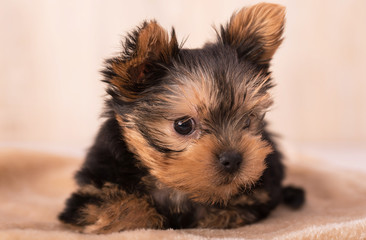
(51, 52)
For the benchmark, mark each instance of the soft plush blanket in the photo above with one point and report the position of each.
(33, 188)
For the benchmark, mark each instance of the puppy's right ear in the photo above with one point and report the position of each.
(145, 49)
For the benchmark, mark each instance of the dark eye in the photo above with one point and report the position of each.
(247, 123)
(184, 126)
(248, 120)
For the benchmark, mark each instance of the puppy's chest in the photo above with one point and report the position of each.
(175, 206)
(182, 212)
(172, 200)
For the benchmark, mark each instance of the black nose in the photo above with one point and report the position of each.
(230, 161)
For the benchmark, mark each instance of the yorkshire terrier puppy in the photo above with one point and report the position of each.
(185, 143)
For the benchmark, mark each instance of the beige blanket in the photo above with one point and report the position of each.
(33, 187)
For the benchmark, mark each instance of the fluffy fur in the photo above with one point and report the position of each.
(142, 172)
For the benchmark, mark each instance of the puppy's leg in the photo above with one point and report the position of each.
(109, 209)
(240, 211)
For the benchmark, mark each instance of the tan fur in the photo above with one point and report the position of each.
(261, 196)
(118, 211)
(163, 194)
(153, 43)
(258, 102)
(198, 90)
(258, 196)
(194, 171)
(225, 218)
(191, 168)
(232, 215)
(264, 21)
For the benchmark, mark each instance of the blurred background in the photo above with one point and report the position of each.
(51, 53)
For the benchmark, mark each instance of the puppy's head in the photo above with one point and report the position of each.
(194, 117)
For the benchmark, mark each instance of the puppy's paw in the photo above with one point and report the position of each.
(293, 197)
(110, 209)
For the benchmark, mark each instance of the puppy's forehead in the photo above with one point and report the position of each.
(210, 80)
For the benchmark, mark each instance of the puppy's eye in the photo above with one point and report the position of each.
(247, 123)
(248, 120)
(184, 126)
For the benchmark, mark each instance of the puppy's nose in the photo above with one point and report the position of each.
(230, 161)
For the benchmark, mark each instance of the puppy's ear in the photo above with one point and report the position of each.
(146, 51)
(255, 32)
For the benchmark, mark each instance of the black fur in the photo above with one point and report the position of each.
(71, 213)
(111, 160)
(293, 197)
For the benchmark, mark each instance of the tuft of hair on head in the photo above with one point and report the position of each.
(145, 52)
(255, 32)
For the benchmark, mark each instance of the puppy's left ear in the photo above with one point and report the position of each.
(255, 32)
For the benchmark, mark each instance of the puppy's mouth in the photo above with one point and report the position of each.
(225, 178)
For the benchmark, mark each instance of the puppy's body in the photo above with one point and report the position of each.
(185, 143)
(111, 169)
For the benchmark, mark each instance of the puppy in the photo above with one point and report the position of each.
(185, 143)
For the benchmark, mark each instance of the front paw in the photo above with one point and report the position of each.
(115, 210)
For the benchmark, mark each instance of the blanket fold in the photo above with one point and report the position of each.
(34, 186)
